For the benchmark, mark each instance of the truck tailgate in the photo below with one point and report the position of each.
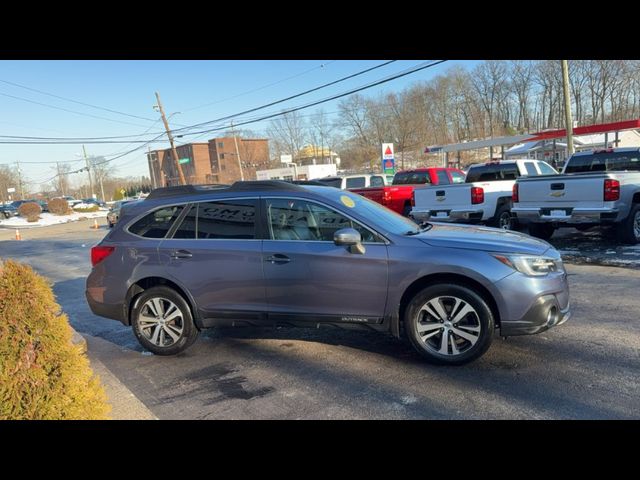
(562, 191)
(444, 197)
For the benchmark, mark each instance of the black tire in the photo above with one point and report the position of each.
(482, 316)
(406, 211)
(503, 215)
(110, 224)
(626, 231)
(189, 332)
(543, 231)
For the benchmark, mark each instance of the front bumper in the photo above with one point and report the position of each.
(544, 314)
(565, 215)
(448, 215)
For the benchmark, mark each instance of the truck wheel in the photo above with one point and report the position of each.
(628, 231)
(543, 231)
(406, 211)
(503, 218)
(162, 321)
(449, 324)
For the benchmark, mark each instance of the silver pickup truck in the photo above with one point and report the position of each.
(600, 187)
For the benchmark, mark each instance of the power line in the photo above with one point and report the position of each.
(306, 92)
(70, 111)
(328, 99)
(75, 101)
(260, 88)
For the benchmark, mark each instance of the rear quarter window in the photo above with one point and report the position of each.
(157, 223)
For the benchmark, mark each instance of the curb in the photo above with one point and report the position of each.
(124, 404)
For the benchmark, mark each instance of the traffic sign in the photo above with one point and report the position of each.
(11, 190)
(183, 160)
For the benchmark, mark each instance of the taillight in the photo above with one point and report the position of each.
(477, 195)
(386, 196)
(413, 198)
(514, 193)
(611, 190)
(99, 253)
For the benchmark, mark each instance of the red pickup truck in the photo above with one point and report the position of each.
(399, 194)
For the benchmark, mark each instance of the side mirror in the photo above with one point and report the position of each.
(351, 238)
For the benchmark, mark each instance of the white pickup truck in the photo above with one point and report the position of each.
(484, 197)
(600, 187)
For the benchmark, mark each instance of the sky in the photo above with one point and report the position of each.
(191, 92)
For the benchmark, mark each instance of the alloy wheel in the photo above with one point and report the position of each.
(636, 225)
(504, 221)
(161, 321)
(448, 325)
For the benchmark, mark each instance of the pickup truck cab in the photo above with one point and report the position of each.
(399, 194)
(484, 197)
(600, 187)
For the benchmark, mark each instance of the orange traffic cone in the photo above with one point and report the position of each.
(18, 237)
(95, 224)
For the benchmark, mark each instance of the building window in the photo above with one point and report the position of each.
(220, 144)
(222, 156)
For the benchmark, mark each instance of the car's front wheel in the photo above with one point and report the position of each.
(162, 321)
(449, 324)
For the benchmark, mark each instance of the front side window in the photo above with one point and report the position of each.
(157, 223)
(531, 168)
(295, 219)
(226, 219)
(546, 169)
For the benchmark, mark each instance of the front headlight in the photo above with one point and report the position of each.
(534, 266)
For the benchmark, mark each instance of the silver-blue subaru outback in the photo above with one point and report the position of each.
(274, 253)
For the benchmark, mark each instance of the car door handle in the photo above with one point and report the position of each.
(278, 258)
(181, 254)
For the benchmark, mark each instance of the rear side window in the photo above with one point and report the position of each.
(157, 223)
(531, 168)
(604, 162)
(356, 182)
(230, 219)
(187, 228)
(492, 172)
(411, 178)
(457, 177)
(376, 181)
(443, 178)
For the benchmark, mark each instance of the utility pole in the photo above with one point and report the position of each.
(151, 161)
(60, 180)
(174, 153)
(20, 181)
(235, 140)
(86, 161)
(567, 107)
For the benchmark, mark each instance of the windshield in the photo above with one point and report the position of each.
(604, 162)
(375, 214)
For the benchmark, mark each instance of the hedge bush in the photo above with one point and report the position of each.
(30, 210)
(92, 208)
(42, 374)
(58, 206)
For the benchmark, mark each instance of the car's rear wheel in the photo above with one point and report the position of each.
(449, 324)
(543, 231)
(162, 321)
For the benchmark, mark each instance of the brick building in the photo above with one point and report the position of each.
(215, 161)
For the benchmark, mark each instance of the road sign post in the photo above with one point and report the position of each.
(388, 161)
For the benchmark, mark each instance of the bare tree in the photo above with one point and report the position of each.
(288, 133)
(8, 179)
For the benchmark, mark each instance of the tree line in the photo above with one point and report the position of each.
(496, 97)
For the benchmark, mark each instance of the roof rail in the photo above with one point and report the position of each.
(180, 190)
(265, 185)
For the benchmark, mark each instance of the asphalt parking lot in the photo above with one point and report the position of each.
(585, 369)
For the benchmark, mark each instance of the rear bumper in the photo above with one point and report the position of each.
(113, 311)
(571, 215)
(473, 215)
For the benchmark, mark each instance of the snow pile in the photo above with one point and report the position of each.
(47, 219)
